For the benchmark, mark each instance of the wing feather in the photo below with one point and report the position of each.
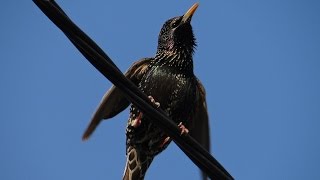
(199, 129)
(114, 101)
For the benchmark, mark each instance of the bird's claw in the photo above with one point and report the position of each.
(137, 121)
(165, 141)
(157, 104)
(184, 130)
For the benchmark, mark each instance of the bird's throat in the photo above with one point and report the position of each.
(177, 59)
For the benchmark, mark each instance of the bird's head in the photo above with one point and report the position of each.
(177, 35)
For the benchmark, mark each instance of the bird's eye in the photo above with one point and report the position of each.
(174, 24)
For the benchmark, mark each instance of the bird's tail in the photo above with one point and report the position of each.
(136, 165)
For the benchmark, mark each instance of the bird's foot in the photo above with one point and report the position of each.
(137, 121)
(157, 104)
(184, 130)
(165, 141)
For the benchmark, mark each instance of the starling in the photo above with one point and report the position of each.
(170, 83)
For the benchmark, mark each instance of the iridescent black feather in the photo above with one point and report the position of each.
(169, 79)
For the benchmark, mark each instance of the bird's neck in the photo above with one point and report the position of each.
(178, 59)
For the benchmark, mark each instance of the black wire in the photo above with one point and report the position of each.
(105, 65)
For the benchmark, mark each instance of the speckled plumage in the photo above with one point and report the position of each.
(171, 82)
(169, 79)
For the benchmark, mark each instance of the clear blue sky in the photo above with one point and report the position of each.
(259, 62)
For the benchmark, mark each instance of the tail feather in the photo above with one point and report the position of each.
(136, 165)
(92, 126)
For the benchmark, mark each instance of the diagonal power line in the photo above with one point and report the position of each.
(100, 60)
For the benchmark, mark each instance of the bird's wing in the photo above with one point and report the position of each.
(199, 125)
(114, 101)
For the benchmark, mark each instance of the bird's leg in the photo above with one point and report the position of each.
(136, 122)
(184, 130)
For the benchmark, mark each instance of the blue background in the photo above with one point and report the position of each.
(259, 62)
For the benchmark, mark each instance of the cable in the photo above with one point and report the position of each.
(100, 60)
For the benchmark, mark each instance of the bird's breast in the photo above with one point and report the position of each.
(175, 91)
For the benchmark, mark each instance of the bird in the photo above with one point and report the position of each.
(169, 81)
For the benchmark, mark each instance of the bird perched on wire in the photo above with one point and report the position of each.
(169, 81)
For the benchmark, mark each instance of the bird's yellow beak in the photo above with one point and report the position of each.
(188, 15)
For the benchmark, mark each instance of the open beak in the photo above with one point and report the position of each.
(188, 15)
